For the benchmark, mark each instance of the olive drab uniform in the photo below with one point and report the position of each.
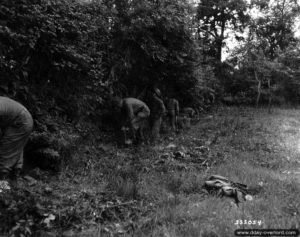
(16, 125)
(190, 112)
(135, 113)
(173, 112)
(158, 109)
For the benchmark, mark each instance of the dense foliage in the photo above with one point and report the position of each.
(67, 55)
(64, 59)
(215, 18)
(266, 65)
(152, 45)
(49, 57)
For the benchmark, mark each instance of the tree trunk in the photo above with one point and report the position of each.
(219, 49)
(270, 95)
(220, 40)
(258, 88)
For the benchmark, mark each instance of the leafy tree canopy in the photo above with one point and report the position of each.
(275, 26)
(216, 17)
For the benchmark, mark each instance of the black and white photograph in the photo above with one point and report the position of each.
(149, 118)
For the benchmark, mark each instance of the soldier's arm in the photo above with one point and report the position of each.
(162, 106)
(130, 118)
(146, 109)
(176, 107)
(129, 112)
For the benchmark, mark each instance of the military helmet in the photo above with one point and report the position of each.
(157, 92)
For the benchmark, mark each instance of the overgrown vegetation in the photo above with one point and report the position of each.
(264, 67)
(64, 59)
(158, 191)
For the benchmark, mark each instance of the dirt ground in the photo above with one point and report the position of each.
(157, 191)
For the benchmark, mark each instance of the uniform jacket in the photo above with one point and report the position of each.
(173, 106)
(131, 107)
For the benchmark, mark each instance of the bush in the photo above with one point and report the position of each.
(47, 60)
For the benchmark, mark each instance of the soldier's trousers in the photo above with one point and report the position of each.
(13, 141)
(172, 120)
(138, 124)
(156, 123)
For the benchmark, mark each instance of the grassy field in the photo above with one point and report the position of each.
(157, 191)
(251, 147)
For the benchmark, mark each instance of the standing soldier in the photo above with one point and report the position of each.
(173, 112)
(134, 114)
(158, 109)
(15, 127)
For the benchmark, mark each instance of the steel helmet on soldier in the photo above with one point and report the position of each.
(157, 92)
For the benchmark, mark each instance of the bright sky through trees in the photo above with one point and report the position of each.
(231, 42)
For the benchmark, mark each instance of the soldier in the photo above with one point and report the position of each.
(190, 112)
(173, 112)
(158, 109)
(15, 127)
(135, 113)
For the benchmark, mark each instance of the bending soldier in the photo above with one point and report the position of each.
(15, 127)
(135, 113)
(173, 112)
